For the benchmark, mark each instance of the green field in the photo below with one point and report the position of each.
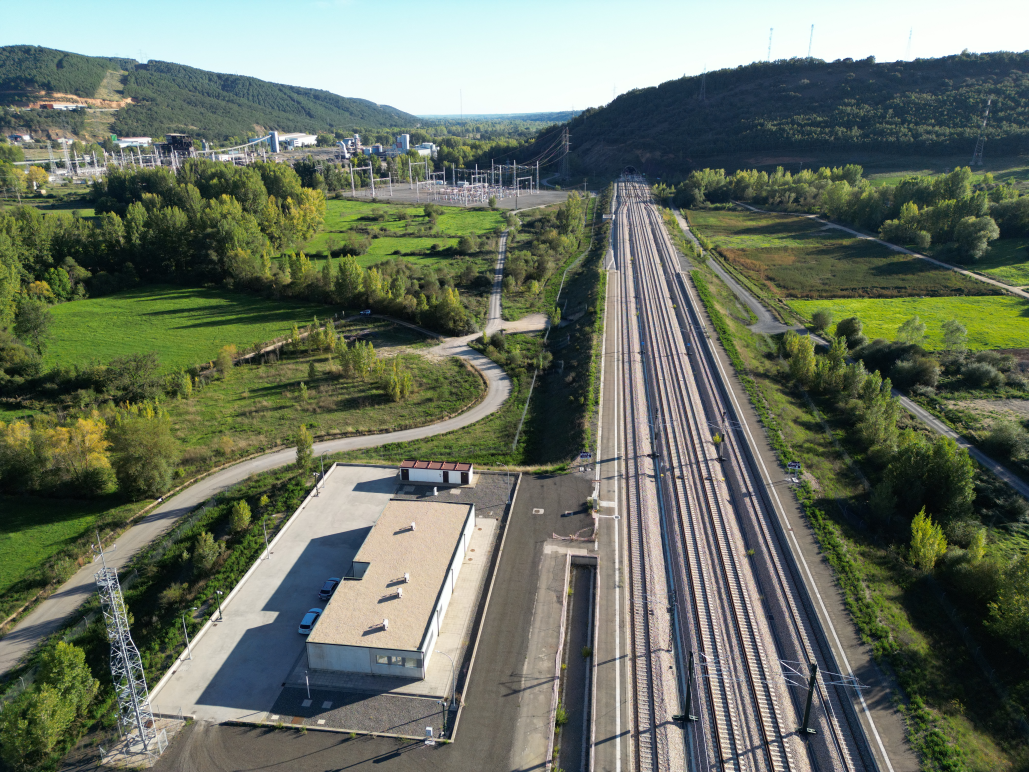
(341, 215)
(992, 322)
(260, 406)
(1007, 261)
(184, 326)
(796, 257)
(33, 530)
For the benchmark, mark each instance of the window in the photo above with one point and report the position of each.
(398, 661)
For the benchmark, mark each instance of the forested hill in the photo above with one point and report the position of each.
(175, 98)
(811, 108)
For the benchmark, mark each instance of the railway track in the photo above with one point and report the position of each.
(708, 572)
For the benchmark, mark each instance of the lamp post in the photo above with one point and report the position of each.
(453, 687)
(189, 650)
(220, 615)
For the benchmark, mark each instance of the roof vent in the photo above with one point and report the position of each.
(407, 577)
(400, 592)
(413, 527)
(385, 624)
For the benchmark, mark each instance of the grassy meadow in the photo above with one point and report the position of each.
(796, 257)
(342, 215)
(261, 406)
(185, 326)
(992, 322)
(1007, 261)
(34, 530)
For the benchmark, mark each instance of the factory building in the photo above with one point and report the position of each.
(386, 615)
(296, 139)
(133, 141)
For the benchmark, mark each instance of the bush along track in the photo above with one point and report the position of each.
(934, 747)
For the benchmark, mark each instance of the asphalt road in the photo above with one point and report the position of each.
(60, 607)
(491, 702)
(493, 318)
(766, 322)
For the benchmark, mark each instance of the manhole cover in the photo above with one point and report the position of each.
(537, 511)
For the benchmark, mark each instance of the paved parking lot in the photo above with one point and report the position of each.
(240, 664)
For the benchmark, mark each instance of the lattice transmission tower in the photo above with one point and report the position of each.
(977, 156)
(703, 86)
(134, 714)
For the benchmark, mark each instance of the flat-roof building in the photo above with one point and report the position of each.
(386, 615)
(445, 472)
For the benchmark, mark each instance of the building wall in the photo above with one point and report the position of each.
(362, 659)
(449, 583)
(426, 475)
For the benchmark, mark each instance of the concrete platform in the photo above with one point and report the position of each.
(240, 665)
(452, 640)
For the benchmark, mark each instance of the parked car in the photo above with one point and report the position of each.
(328, 588)
(309, 620)
(366, 312)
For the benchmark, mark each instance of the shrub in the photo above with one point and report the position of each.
(980, 375)
(821, 319)
(239, 520)
(915, 371)
(206, 553)
(173, 594)
(1007, 439)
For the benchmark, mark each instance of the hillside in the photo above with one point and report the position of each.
(170, 97)
(802, 110)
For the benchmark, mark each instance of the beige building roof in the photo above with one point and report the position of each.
(354, 615)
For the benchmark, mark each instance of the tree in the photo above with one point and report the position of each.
(1008, 439)
(800, 357)
(977, 547)
(239, 520)
(850, 328)
(206, 552)
(305, 449)
(972, 236)
(927, 541)
(349, 280)
(912, 331)
(33, 322)
(144, 450)
(1009, 614)
(821, 319)
(64, 667)
(955, 335)
(225, 359)
(38, 177)
(33, 725)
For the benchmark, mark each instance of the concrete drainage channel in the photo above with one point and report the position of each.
(572, 710)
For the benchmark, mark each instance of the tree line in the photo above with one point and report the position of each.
(956, 212)
(925, 106)
(925, 497)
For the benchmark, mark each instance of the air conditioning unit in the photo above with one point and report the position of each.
(400, 592)
(407, 577)
(385, 624)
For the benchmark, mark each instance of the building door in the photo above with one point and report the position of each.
(405, 474)
(446, 477)
(464, 478)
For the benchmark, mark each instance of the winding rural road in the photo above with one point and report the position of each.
(768, 324)
(59, 608)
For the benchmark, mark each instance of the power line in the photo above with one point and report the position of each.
(977, 156)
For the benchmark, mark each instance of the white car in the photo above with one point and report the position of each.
(308, 622)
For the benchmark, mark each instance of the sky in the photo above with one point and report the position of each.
(453, 56)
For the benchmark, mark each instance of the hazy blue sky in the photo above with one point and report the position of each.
(525, 56)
